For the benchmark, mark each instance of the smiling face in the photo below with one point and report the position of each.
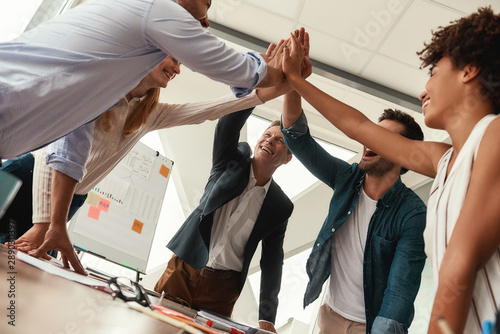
(197, 8)
(271, 149)
(163, 73)
(443, 94)
(373, 164)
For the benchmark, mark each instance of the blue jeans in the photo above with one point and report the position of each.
(20, 211)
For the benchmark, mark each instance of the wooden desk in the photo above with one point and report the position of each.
(45, 303)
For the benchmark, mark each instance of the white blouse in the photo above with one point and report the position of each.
(444, 206)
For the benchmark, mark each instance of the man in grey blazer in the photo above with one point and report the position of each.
(241, 206)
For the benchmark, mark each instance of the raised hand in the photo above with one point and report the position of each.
(303, 38)
(274, 55)
(271, 51)
(293, 57)
(306, 68)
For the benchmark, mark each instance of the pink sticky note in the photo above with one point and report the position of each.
(103, 204)
(94, 212)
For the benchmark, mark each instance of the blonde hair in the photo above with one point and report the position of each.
(138, 118)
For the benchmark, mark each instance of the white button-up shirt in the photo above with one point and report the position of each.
(233, 224)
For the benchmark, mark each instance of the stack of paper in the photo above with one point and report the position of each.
(229, 325)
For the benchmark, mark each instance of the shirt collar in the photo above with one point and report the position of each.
(127, 101)
(253, 180)
(391, 194)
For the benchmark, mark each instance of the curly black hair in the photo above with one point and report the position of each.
(474, 39)
(411, 128)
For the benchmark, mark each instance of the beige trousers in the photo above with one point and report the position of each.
(330, 322)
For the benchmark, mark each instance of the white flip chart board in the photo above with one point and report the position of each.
(119, 218)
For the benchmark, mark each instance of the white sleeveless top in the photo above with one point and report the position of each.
(445, 202)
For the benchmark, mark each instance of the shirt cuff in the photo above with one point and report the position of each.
(266, 321)
(70, 153)
(72, 169)
(297, 129)
(383, 325)
(261, 73)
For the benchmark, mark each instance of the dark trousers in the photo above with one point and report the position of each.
(214, 290)
(20, 212)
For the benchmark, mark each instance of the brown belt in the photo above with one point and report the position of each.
(218, 274)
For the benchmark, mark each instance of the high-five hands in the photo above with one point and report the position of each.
(274, 55)
(293, 57)
(306, 66)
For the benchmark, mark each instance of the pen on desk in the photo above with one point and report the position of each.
(161, 297)
(444, 327)
(206, 322)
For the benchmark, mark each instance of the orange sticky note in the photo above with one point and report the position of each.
(164, 170)
(137, 226)
(103, 204)
(94, 212)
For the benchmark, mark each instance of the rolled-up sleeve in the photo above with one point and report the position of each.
(70, 153)
(181, 36)
(261, 73)
(297, 129)
(383, 325)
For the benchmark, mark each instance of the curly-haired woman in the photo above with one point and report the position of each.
(462, 97)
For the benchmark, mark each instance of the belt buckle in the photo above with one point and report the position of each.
(207, 272)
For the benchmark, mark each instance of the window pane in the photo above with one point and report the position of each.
(15, 16)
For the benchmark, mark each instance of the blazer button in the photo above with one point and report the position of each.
(201, 216)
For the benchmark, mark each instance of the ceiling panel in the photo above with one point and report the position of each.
(396, 75)
(253, 21)
(286, 8)
(469, 6)
(336, 52)
(361, 23)
(414, 28)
